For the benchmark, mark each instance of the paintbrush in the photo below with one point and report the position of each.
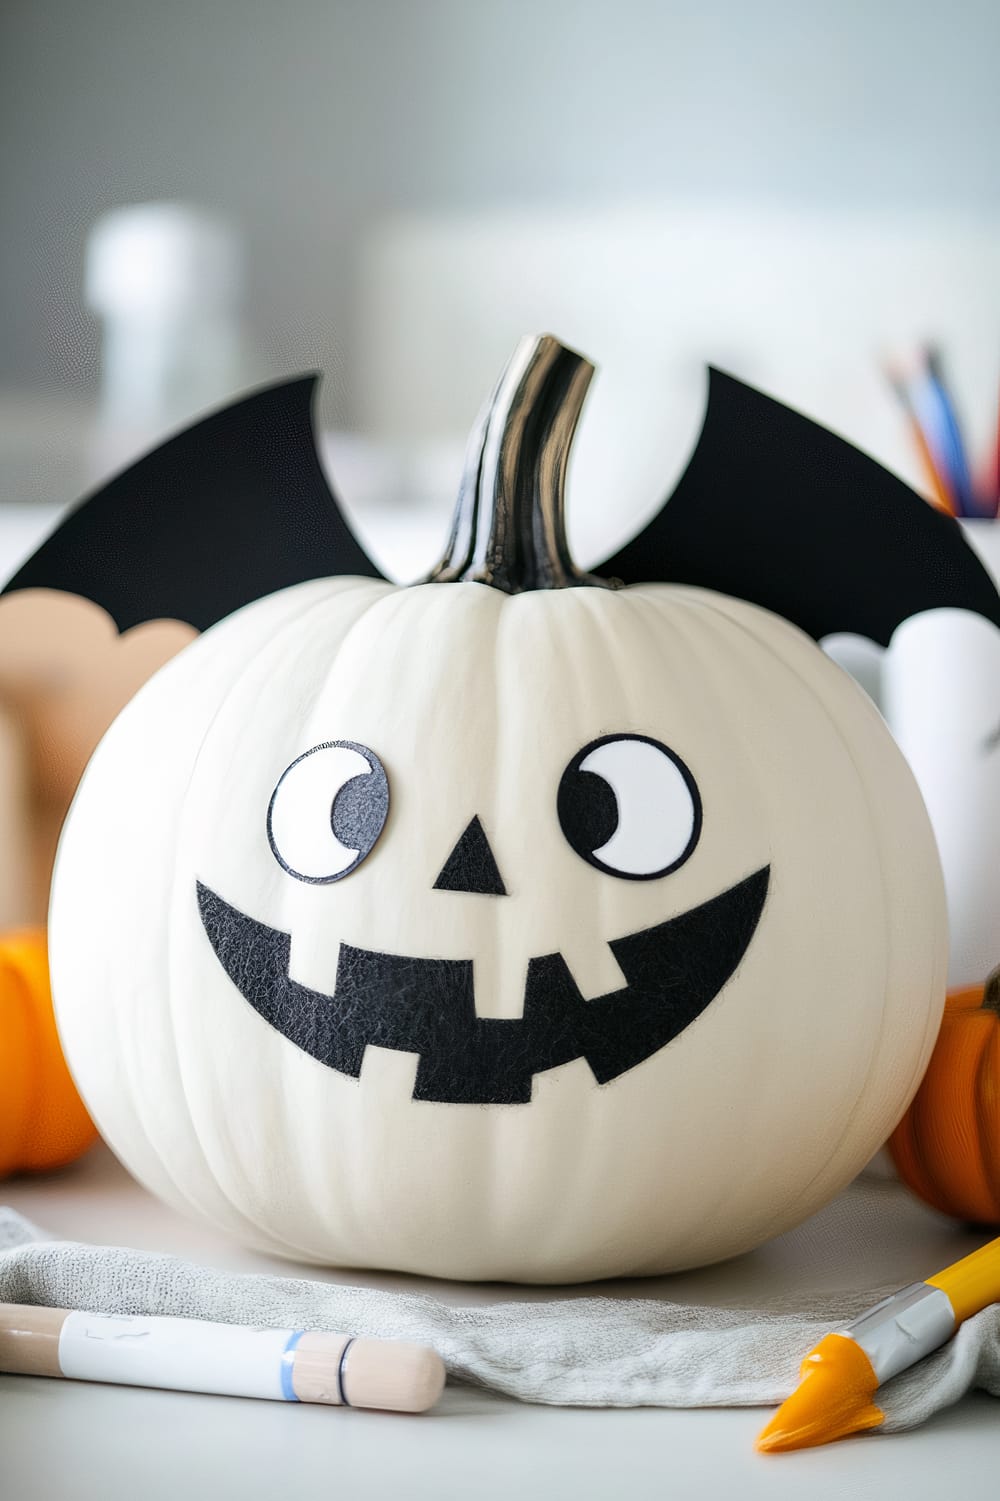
(839, 1378)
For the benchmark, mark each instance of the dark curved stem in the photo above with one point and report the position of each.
(509, 527)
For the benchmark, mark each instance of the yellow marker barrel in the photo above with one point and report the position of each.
(972, 1283)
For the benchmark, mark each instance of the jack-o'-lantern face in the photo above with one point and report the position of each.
(512, 925)
(626, 804)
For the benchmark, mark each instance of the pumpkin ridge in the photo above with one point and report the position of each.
(987, 1105)
(193, 1201)
(926, 1112)
(755, 626)
(952, 1132)
(977, 1198)
(754, 620)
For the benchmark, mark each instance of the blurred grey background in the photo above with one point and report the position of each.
(784, 187)
(199, 195)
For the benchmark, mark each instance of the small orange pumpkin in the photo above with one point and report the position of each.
(947, 1146)
(43, 1123)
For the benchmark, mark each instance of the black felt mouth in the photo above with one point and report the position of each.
(427, 1006)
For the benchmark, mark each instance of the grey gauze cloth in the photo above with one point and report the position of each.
(576, 1352)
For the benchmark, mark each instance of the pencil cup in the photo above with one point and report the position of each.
(941, 698)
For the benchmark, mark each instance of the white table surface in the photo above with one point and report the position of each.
(77, 1441)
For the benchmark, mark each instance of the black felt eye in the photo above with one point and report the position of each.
(629, 806)
(327, 811)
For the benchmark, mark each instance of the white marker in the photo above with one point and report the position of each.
(286, 1365)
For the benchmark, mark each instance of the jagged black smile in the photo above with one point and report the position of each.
(427, 1006)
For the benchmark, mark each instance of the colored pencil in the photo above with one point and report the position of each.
(940, 495)
(939, 420)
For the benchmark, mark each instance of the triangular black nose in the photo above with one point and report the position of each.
(471, 865)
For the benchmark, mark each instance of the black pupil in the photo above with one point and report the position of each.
(588, 810)
(358, 812)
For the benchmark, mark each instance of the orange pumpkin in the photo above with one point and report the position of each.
(42, 1120)
(947, 1146)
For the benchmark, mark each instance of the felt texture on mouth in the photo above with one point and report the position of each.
(427, 1006)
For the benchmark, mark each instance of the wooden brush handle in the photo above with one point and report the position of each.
(389, 1374)
(29, 1339)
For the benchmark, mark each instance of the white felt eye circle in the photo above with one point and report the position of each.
(327, 811)
(629, 806)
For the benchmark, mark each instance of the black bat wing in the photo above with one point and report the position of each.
(777, 510)
(232, 508)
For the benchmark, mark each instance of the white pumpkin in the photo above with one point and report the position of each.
(451, 800)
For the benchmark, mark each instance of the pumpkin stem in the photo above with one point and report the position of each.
(509, 528)
(991, 992)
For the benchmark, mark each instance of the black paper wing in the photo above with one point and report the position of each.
(777, 510)
(229, 510)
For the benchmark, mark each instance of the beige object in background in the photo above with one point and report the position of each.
(65, 672)
(16, 890)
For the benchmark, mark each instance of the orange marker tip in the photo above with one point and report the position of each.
(833, 1399)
